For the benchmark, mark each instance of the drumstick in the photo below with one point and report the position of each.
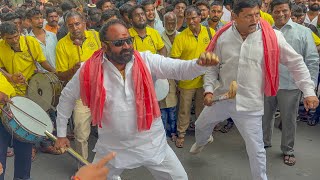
(72, 152)
(231, 94)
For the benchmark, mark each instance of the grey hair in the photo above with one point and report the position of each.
(169, 14)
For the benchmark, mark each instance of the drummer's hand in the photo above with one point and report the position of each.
(4, 98)
(208, 99)
(97, 171)
(62, 143)
(18, 78)
(208, 59)
(310, 102)
(1, 169)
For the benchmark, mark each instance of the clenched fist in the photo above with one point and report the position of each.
(208, 59)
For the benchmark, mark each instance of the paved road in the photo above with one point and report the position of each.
(225, 159)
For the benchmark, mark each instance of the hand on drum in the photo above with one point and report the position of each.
(4, 98)
(62, 143)
(310, 102)
(18, 78)
(97, 171)
(208, 59)
(208, 99)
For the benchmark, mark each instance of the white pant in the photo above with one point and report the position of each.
(169, 169)
(249, 125)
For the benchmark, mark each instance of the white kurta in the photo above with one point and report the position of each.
(119, 129)
(242, 61)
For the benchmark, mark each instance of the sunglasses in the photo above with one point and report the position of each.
(120, 42)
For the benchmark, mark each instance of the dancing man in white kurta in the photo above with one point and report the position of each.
(124, 105)
(250, 52)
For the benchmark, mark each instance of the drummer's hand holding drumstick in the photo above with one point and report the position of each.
(18, 78)
(208, 99)
(4, 98)
(62, 143)
(97, 171)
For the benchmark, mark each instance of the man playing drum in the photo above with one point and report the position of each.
(116, 84)
(76, 47)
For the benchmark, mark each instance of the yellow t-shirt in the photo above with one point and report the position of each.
(316, 39)
(267, 17)
(152, 42)
(187, 47)
(6, 87)
(15, 62)
(67, 53)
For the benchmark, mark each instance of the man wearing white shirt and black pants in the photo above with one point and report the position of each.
(256, 73)
(127, 111)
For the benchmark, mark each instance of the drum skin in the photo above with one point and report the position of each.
(23, 127)
(45, 90)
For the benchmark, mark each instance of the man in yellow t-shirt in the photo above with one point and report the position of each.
(188, 45)
(18, 56)
(76, 47)
(144, 38)
(22, 150)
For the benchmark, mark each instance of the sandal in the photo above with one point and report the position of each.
(173, 137)
(51, 150)
(179, 142)
(226, 128)
(289, 160)
(34, 153)
(10, 153)
(313, 121)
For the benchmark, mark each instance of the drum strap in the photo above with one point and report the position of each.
(34, 61)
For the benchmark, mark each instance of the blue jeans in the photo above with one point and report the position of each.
(169, 119)
(22, 158)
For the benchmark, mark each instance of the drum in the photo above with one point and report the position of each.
(162, 88)
(26, 120)
(45, 90)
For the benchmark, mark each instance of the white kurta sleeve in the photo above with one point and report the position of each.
(211, 78)
(296, 66)
(69, 95)
(167, 68)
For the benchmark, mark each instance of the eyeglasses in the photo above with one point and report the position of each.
(120, 42)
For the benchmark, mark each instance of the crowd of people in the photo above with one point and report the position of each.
(108, 55)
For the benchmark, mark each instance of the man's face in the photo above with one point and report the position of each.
(170, 24)
(76, 26)
(216, 13)
(12, 39)
(299, 19)
(150, 12)
(300, 1)
(281, 14)
(314, 5)
(179, 9)
(204, 12)
(247, 20)
(18, 23)
(139, 19)
(53, 19)
(37, 21)
(106, 6)
(193, 20)
(120, 53)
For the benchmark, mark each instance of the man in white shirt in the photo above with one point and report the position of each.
(125, 100)
(240, 49)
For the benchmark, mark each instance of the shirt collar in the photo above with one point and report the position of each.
(289, 24)
(135, 33)
(190, 33)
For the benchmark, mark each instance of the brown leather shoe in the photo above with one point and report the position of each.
(51, 150)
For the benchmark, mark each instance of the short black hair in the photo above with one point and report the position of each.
(178, 2)
(130, 13)
(105, 28)
(109, 14)
(100, 3)
(72, 14)
(124, 9)
(8, 28)
(297, 11)
(147, 2)
(280, 2)
(241, 4)
(67, 6)
(169, 8)
(33, 12)
(192, 8)
(21, 13)
(10, 16)
(216, 3)
(203, 3)
(51, 10)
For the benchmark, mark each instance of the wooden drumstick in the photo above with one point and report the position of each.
(72, 152)
(231, 94)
